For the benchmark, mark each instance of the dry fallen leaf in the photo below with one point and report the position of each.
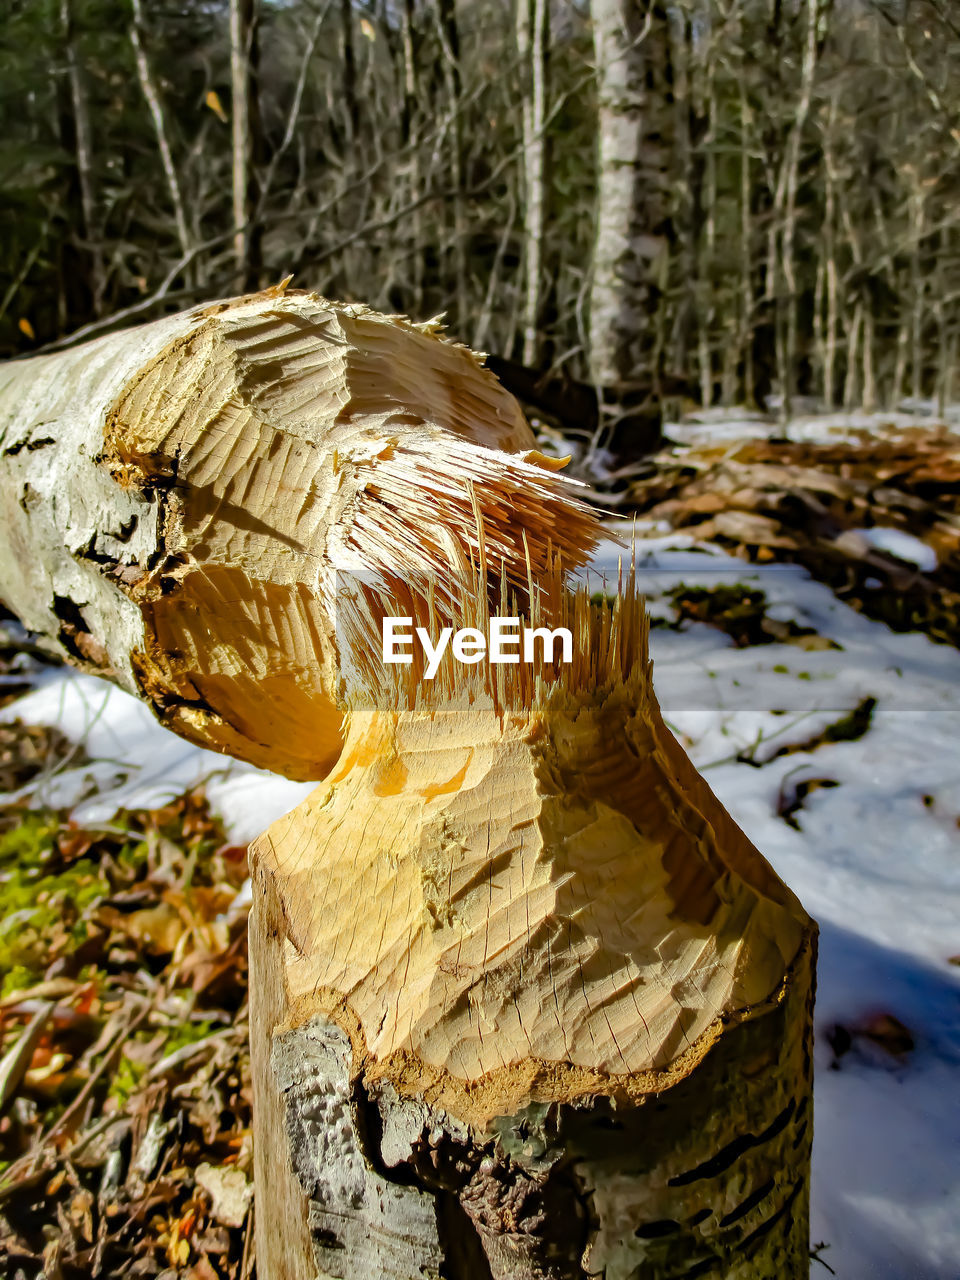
(212, 100)
(229, 1191)
(203, 1269)
(158, 927)
(889, 1033)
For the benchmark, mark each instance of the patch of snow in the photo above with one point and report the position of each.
(900, 544)
(917, 405)
(822, 427)
(876, 861)
(136, 763)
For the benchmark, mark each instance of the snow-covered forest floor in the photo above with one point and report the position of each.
(865, 828)
(835, 743)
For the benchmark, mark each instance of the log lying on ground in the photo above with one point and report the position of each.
(176, 501)
(527, 1003)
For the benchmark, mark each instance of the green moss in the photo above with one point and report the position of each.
(42, 900)
(188, 1033)
(31, 842)
(129, 1074)
(16, 978)
(126, 1079)
(53, 874)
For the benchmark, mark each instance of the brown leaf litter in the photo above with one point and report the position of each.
(125, 1141)
(775, 500)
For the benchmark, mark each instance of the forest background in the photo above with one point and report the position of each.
(733, 202)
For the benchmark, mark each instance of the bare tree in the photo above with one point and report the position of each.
(244, 57)
(78, 128)
(151, 94)
(532, 44)
(630, 242)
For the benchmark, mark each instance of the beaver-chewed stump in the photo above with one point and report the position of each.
(527, 1003)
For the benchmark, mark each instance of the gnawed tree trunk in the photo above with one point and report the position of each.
(525, 1002)
(175, 502)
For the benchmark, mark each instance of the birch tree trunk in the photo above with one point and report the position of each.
(448, 32)
(77, 135)
(245, 126)
(411, 123)
(526, 1003)
(705, 267)
(630, 241)
(785, 219)
(917, 283)
(747, 298)
(830, 255)
(532, 42)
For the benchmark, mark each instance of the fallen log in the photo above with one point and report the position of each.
(525, 1002)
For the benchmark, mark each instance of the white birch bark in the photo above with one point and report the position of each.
(177, 500)
(628, 242)
(785, 213)
(83, 129)
(242, 17)
(532, 39)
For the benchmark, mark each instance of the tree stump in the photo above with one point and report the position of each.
(525, 1001)
(528, 1004)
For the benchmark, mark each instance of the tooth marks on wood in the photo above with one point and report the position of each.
(269, 441)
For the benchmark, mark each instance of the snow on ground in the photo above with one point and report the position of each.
(135, 763)
(902, 545)
(876, 860)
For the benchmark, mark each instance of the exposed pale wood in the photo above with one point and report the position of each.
(177, 500)
(538, 929)
(526, 1004)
